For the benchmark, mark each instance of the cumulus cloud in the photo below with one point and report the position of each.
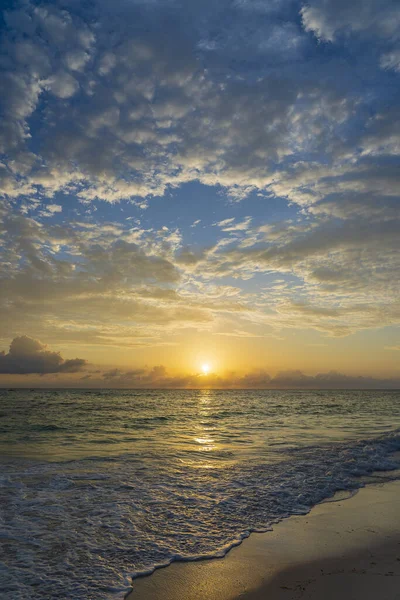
(158, 377)
(238, 95)
(62, 84)
(139, 377)
(148, 107)
(104, 283)
(373, 21)
(328, 18)
(110, 281)
(27, 356)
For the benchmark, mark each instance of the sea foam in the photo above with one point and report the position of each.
(83, 527)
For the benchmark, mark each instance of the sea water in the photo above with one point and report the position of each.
(99, 486)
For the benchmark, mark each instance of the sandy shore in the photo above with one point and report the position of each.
(347, 549)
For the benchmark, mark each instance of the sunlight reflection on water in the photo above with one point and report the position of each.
(119, 481)
(227, 425)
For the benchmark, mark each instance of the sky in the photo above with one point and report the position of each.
(200, 183)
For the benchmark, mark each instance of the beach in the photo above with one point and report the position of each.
(200, 300)
(347, 548)
(103, 487)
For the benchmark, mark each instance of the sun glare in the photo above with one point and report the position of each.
(205, 368)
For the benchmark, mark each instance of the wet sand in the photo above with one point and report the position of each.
(347, 549)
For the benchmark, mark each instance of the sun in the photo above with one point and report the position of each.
(205, 368)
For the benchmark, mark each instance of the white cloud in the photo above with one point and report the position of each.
(62, 84)
(50, 210)
(129, 117)
(328, 18)
(251, 103)
(391, 60)
(230, 226)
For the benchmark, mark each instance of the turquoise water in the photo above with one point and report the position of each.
(98, 486)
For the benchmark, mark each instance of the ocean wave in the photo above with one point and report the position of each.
(83, 528)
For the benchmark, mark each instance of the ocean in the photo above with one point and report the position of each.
(99, 486)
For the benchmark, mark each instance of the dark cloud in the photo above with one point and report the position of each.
(157, 377)
(139, 377)
(27, 356)
(330, 380)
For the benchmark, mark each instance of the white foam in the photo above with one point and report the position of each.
(81, 529)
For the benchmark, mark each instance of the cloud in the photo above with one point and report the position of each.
(228, 225)
(149, 107)
(27, 356)
(50, 210)
(328, 18)
(100, 283)
(110, 281)
(391, 60)
(330, 380)
(158, 377)
(139, 377)
(376, 23)
(239, 95)
(334, 266)
(130, 115)
(62, 84)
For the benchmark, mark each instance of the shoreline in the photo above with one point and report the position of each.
(348, 548)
